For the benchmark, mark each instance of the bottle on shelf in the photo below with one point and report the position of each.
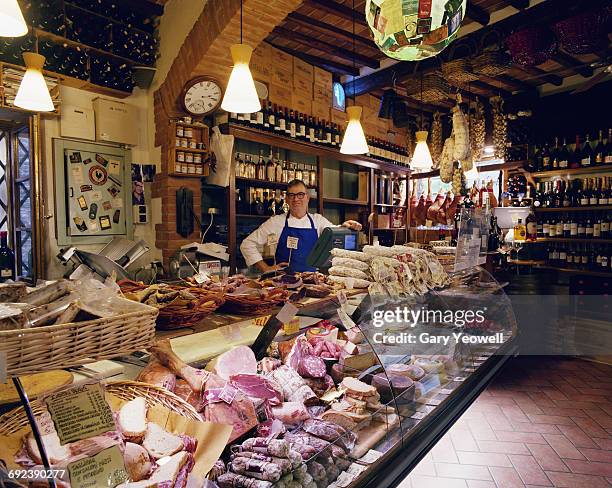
(597, 227)
(7, 259)
(573, 226)
(559, 226)
(299, 174)
(594, 194)
(270, 204)
(546, 158)
(564, 156)
(281, 122)
(291, 171)
(520, 232)
(278, 168)
(608, 150)
(567, 225)
(285, 172)
(271, 168)
(261, 167)
(584, 193)
(302, 127)
(313, 176)
(605, 226)
(531, 227)
(575, 159)
(586, 154)
(272, 121)
(589, 227)
(292, 125)
(567, 194)
(600, 149)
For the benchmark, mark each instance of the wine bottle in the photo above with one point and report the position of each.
(261, 167)
(594, 195)
(270, 168)
(7, 259)
(586, 155)
(302, 127)
(608, 151)
(546, 159)
(584, 193)
(564, 156)
(575, 154)
(282, 122)
(600, 150)
(531, 226)
(292, 125)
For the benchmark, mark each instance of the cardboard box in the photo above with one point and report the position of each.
(77, 122)
(364, 178)
(303, 69)
(338, 117)
(281, 59)
(261, 64)
(382, 221)
(301, 104)
(279, 94)
(322, 78)
(281, 77)
(303, 86)
(321, 110)
(322, 94)
(115, 121)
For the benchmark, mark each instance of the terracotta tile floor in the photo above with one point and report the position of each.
(542, 422)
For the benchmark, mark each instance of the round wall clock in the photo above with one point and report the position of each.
(201, 95)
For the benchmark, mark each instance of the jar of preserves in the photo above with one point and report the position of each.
(188, 132)
(179, 131)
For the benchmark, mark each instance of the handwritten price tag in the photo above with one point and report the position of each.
(292, 242)
(287, 313)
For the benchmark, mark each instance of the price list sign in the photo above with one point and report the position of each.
(80, 412)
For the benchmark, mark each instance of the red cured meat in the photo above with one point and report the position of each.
(238, 360)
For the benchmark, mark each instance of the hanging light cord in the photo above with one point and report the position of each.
(240, 21)
(421, 101)
(353, 16)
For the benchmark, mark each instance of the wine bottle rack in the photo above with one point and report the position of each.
(91, 44)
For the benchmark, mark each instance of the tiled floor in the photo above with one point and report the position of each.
(543, 422)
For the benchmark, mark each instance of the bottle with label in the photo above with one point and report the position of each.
(567, 194)
(586, 155)
(605, 226)
(603, 193)
(239, 165)
(261, 167)
(574, 161)
(589, 227)
(567, 225)
(302, 127)
(594, 196)
(559, 226)
(546, 158)
(290, 172)
(600, 149)
(564, 156)
(272, 118)
(608, 150)
(311, 130)
(287, 122)
(278, 168)
(258, 119)
(292, 125)
(337, 136)
(531, 227)
(520, 232)
(282, 122)
(313, 176)
(7, 259)
(299, 174)
(271, 168)
(270, 204)
(573, 227)
(266, 116)
(285, 172)
(584, 193)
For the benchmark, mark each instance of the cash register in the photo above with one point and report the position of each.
(331, 237)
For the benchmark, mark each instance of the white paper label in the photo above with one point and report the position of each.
(419, 415)
(459, 378)
(286, 313)
(113, 166)
(117, 203)
(201, 277)
(342, 299)
(93, 225)
(273, 239)
(292, 242)
(445, 391)
(371, 456)
(345, 319)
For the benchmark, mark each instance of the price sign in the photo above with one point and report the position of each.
(104, 469)
(292, 242)
(345, 319)
(80, 412)
(418, 415)
(201, 277)
(292, 327)
(287, 313)
(342, 298)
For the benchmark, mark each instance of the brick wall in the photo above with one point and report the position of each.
(205, 51)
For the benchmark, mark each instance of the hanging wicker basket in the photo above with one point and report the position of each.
(458, 69)
(583, 33)
(435, 88)
(532, 45)
(493, 61)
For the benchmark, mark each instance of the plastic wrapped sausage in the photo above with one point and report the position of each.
(270, 447)
(256, 468)
(233, 480)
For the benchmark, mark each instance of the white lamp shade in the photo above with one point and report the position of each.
(33, 93)
(472, 174)
(354, 140)
(421, 159)
(241, 94)
(12, 23)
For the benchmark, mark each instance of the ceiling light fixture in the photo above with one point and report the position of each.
(354, 140)
(241, 94)
(33, 93)
(12, 23)
(421, 158)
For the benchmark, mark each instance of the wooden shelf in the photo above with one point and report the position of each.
(267, 183)
(191, 150)
(389, 205)
(594, 208)
(389, 228)
(526, 262)
(262, 137)
(579, 240)
(251, 216)
(345, 201)
(587, 272)
(575, 171)
(193, 126)
(183, 175)
(491, 167)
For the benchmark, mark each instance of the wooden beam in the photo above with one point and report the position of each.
(572, 63)
(321, 63)
(537, 73)
(325, 47)
(339, 10)
(329, 29)
(512, 83)
(477, 14)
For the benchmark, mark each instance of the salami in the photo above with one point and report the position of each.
(291, 413)
(233, 480)
(256, 468)
(293, 386)
(312, 366)
(330, 432)
(319, 444)
(284, 464)
(317, 471)
(270, 447)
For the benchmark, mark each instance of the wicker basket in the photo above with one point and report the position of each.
(181, 312)
(583, 33)
(249, 305)
(493, 61)
(16, 419)
(435, 88)
(39, 349)
(532, 45)
(458, 72)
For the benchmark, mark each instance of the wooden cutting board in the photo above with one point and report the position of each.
(34, 385)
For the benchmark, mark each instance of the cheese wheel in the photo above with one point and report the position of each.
(400, 387)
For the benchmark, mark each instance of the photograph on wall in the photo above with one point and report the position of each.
(138, 193)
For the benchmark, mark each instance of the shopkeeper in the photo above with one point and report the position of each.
(294, 233)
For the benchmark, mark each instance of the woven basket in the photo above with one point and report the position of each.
(493, 61)
(16, 419)
(583, 33)
(458, 71)
(532, 45)
(181, 312)
(435, 88)
(248, 305)
(39, 349)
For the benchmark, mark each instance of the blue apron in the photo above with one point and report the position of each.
(306, 241)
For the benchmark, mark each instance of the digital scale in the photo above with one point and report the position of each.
(330, 238)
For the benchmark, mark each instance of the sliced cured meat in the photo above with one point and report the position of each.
(184, 391)
(290, 413)
(312, 367)
(160, 443)
(238, 360)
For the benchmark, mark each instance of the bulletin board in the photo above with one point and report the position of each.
(92, 192)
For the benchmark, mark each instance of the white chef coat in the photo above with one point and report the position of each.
(252, 246)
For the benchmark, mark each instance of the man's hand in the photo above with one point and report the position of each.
(352, 224)
(266, 268)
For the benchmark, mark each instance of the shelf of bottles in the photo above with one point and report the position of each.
(188, 149)
(298, 126)
(390, 195)
(568, 159)
(261, 180)
(91, 40)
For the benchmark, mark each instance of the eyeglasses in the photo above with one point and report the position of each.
(299, 196)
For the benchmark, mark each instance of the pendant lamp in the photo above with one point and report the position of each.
(354, 140)
(12, 23)
(33, 93)
(241, 94)
(421, 158)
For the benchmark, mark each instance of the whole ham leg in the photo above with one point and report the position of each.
(196, 378)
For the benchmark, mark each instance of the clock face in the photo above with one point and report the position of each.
(202, 96)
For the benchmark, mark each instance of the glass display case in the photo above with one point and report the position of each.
(419, 362)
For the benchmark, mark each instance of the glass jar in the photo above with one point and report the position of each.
(177, 142)
(187, 119)
(179, 131)
(193, 144)
(188, 157)
(188, 132)
(191, 168)
(197, 158)
(184, 143)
